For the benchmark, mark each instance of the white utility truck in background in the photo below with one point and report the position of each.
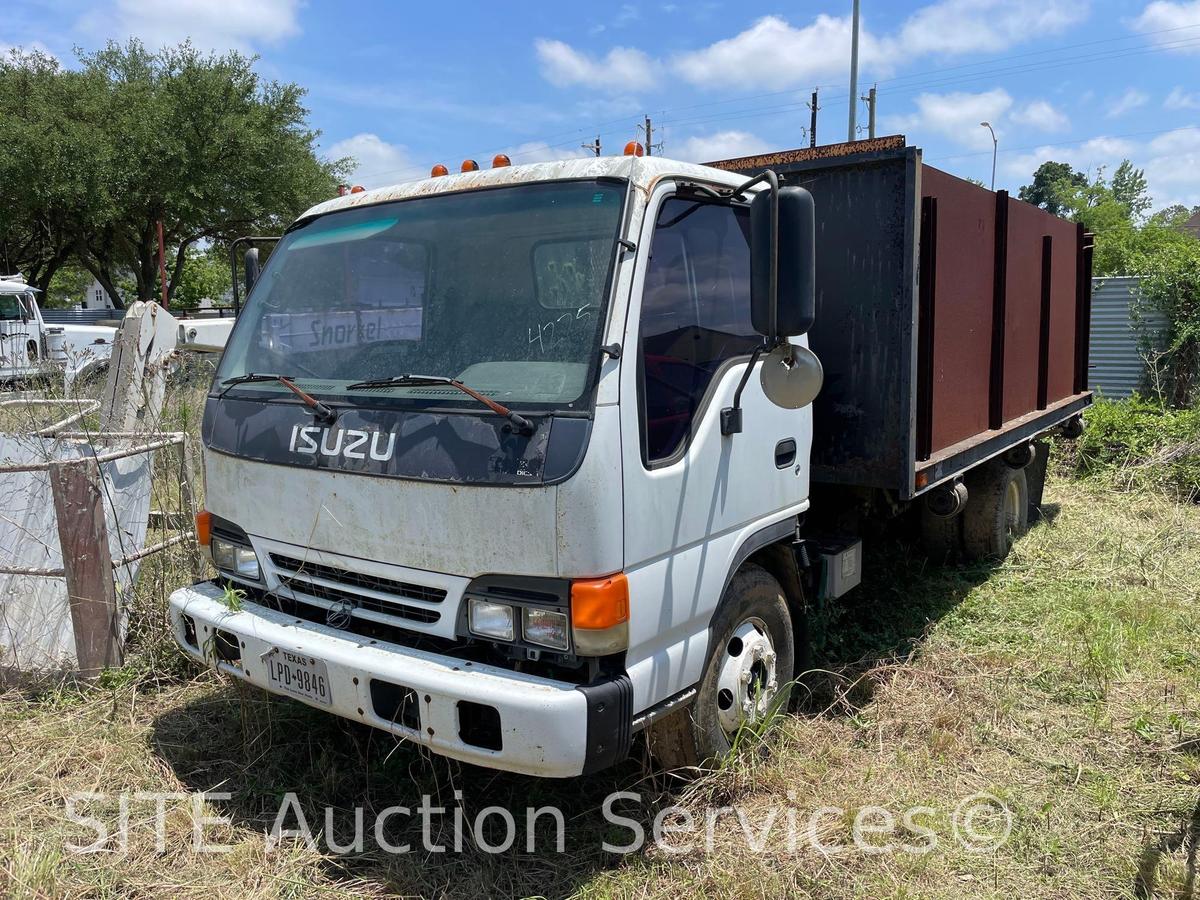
(515, 463)
(29, 346)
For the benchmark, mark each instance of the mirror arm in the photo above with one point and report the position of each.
(731, 416)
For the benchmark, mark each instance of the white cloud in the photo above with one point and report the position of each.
(986, 26)
(1041, 115)
(236, 24)
(955, 116)
(1171, 162)
(1168, 19)
(621, 69)
(774, 54)
(719, 145)
(1127, 102)
(378, 162)
(1180, 99)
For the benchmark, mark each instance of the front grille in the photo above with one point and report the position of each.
(402, 589)
(335, 589)
(358, 601)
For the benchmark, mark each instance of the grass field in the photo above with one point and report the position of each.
(1065, 683)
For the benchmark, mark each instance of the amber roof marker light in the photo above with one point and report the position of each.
(500, 160)
(438, 171)
(633, 148)
(469, 165)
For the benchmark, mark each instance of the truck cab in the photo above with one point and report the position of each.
(514, 463)
(22, 333)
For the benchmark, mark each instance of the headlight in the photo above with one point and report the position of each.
(235, 558)
(487, 619)
(545, 627)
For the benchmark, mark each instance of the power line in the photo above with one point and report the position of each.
(923, 82)
(1128, 134)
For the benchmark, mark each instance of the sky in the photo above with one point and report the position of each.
(400, 85)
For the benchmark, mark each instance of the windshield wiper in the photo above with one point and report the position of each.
(519, 422)
(322, 411)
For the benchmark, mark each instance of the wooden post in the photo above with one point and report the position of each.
(91, 592)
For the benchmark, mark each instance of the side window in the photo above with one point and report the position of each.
(695, 314)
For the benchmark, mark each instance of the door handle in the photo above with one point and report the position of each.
(785, 453)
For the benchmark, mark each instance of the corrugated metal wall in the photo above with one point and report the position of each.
(1117, 367)
(80, 316)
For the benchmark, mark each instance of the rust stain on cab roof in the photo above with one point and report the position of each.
(642, 171)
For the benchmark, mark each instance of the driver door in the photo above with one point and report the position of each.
(693, 495)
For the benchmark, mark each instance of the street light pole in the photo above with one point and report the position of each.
(853, 72)
(995, 146)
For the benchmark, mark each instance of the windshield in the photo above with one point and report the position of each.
(12, 309)
(503, 289)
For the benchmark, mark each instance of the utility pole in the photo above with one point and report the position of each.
(870, 101)
(648, 133)
(812, 120)
(594, 146)
(853, 72)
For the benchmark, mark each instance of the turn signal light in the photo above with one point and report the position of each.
(357, 189)
(633, 148)
(469, 165)
(438, 171)
(600, 615)
(203, 527)
(500, 160)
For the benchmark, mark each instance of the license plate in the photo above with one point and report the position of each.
(299, 675)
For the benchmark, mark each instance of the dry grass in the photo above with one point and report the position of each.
(1065, 682)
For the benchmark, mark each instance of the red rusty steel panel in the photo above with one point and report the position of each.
(1023, 308)
(962, 305)
(1062, 307)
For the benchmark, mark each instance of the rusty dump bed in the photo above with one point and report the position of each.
(951, 321)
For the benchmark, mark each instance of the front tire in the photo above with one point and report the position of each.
(751, 659)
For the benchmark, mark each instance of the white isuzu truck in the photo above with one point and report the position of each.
(516, 463)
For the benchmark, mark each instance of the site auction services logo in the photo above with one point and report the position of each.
(979, 823)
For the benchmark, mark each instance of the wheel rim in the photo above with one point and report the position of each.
(746, 684)
(1012, 510)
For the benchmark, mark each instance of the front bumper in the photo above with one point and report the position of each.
(547, 728)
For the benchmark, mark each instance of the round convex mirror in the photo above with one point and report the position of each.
(791, 376)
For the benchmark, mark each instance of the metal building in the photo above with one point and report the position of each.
(1119, 338)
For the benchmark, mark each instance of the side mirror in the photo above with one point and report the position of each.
(791, 254)
(250, 261)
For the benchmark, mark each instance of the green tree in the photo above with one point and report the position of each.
(1129, 189)
(1170, 284)
(205, 276)
(1050, 182)
(197, 141)
(51, 163)
(67, 287)
(1174, 215)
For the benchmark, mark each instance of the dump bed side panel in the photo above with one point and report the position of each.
(1063, 313)
(924, 380)
(962, 335)
(1022, 309)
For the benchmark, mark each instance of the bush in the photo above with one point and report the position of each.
(1142, 445)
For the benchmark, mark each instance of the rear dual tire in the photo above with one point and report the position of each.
(996, 514)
